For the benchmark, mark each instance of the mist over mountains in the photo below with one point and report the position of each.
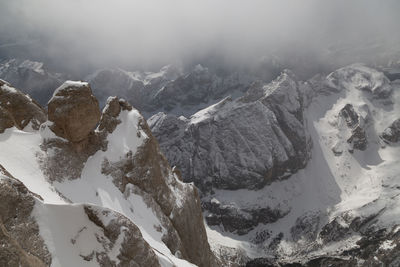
(80, 36)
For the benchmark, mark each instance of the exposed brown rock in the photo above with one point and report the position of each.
(74, 111)
(20, 241)
(6, 120)
(18, 109)
(61, 159)
(177, 205)
(149, 170)
(109, 120)
(134, 249)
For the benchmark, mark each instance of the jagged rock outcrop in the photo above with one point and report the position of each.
(119, 241)
(358, 138)
(74, 111)
(140, 169)
(20, 241)
(239, 220)
(149, 170)
(18, 109)
(392, 133)
(68, 135)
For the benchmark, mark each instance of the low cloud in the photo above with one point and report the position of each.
(79, 34)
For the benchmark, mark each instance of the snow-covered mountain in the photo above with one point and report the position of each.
(91, 188)
(288, 171)
(171, 90)
(31, 77)
(296, 171)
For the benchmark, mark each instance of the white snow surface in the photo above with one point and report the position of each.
(67, 84)
(59, 220)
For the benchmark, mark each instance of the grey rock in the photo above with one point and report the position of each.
(243, 143)
(392, 133)
(240, 221)
(358, 138)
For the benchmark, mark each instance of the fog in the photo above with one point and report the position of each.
(79, 35)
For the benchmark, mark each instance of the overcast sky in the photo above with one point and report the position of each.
(151, 33)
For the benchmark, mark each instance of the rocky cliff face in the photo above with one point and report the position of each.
(21, 243)
(237, 144)
(140, 214)
(273, 142)
(333, 139)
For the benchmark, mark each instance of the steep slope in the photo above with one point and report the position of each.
(338, 203)
(236, 144)
(109, 196)
(36, 233)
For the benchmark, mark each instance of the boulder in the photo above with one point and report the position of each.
(74, 111)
